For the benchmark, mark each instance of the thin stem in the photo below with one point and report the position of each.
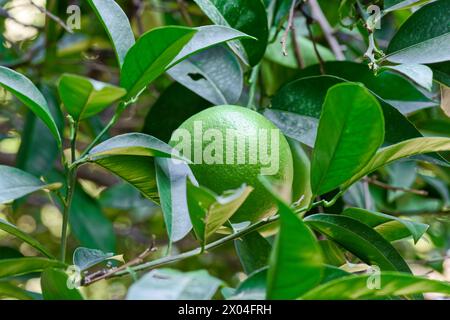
(111, 123)
(70, 183)
(71, 178)
(253, 83)
(213, 245)
(319, 16)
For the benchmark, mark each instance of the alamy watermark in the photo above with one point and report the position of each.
(231, 147)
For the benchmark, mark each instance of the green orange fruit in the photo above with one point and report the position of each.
(221, 170)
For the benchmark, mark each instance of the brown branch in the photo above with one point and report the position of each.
(318, 15)
(297, 51)
(290, 23)
(309, 22)
(375, 182)
(184, 12)
(104, 274)
(138, 9)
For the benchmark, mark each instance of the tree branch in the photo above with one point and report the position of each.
(319, 16)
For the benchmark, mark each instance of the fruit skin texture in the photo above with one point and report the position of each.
(223, 177)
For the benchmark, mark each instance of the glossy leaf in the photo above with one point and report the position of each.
(392, 284)
(391, 5)
(29, 95)
(26, 265)
(424, 37)
(351, 130)
(296, 109)
(252, 288)
(296, 262)
(84, 97)
(132, 151)
(400, 93)
(253, 22)
(16, 183)
(16, 232)
(171, 178)
(54, 284)
(209, 211)
(85, 258)
(401, 150)
(253, 251)
(359, 239)
(214, 74)
(169, 111)
(374, 219)
(420, 74)
(130, 144)
(161, 46)
(206, 37)
(116, 24)
(167, 284)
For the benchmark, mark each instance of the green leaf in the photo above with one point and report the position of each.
(26, 265)
(441, 72)
(168, 284)
(424, 37)
(85, 258)
(398, 151)
(161, 46)
(253, 22)
(54, 284)
(359, 239)
(391, 5)
(8, 290)
(171, 178)
(89, 225)
(331, 273)
(296, 263)
(253, 251)
(296, 109)
(332, 254)
(131, 144)
(252, 288)
(130, 156)
(13, 230)
(420, 74)
(392, 284)
(374, 219)
(351, 129)
(84, 97)
(400, 93)
(38, 148)
(30, 96)
(215, 75)
(16, 183)
(209, 211)
(169, 111)
(206, 37)
(116, 24)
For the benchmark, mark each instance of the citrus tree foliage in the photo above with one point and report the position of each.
(91, 92)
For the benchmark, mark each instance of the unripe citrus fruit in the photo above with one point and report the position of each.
(227, 168)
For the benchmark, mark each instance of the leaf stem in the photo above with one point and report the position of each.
(110, 124)
(253, 83)
(70, 183)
